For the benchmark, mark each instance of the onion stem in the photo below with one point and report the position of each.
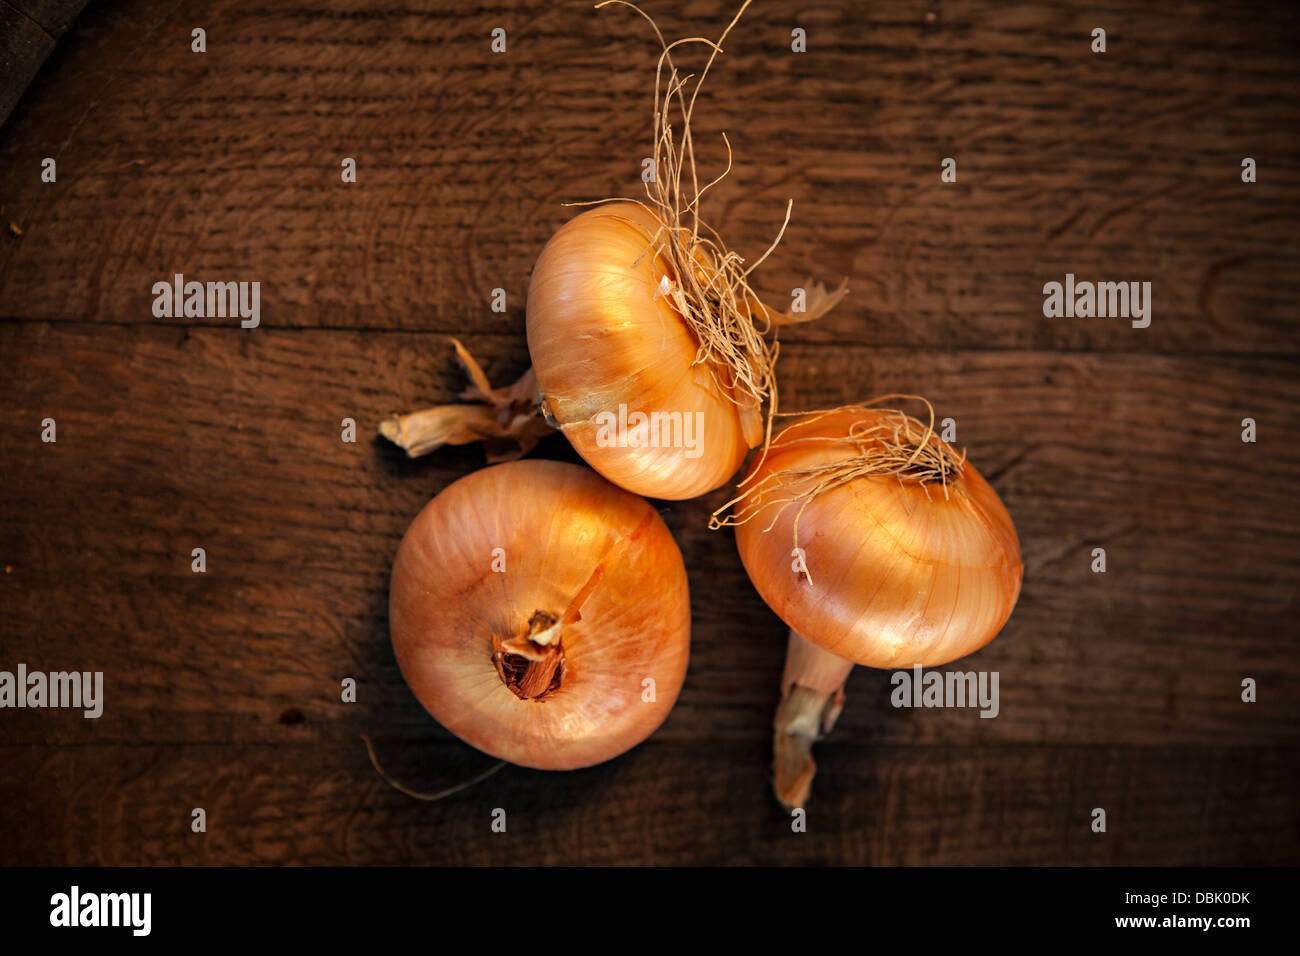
(529, 662)
(509, 421)
(812, 696)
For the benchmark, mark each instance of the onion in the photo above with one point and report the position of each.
(877, 544)
(602, 337)
(541, 614)
(650, 348)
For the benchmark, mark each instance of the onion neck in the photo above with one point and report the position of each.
(531, 664)
(812, 696)
(509, 421)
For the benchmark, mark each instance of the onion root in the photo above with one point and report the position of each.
(427, 797)
(712, 290)
(889, 444)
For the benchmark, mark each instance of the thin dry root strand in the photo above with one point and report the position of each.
(428, 797)
(509, 421)
(887, 444)
(710, 285)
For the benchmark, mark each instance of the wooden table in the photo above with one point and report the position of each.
(1119, 690)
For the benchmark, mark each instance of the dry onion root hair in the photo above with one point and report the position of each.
(417, 794)
(712, 293)
(889, 444)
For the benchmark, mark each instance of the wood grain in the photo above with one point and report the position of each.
(300, 529)
(29, 30)
(1119, 690)
(23, 48)
(660, 804)
(226, 164)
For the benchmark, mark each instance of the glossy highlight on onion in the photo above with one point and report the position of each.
(903, 572)
(602, 334)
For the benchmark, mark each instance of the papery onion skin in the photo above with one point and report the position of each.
(563, 530)
(600, 335)
(900, 578)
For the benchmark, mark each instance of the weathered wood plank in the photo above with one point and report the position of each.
(53, 16)
(1117, 166)
(321, 803)
(29, 30)
(1119, 690)
(230, 440)
(23, 48)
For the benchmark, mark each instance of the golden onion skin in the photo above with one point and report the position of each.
(899, 579)
(601, 336)
(564, 531)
